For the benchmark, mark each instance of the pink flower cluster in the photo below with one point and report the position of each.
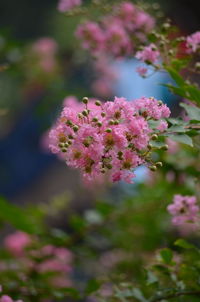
(106, 138)
(115, 33)
(45, 50)
(66, 5)
(17, 242)
(6, 298)
(193, 42)
(149, 54)
(30, 256)
(184, 209)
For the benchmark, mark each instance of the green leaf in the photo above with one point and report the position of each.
(176, 90)
(166, 255)
(175, 121)
(176, 76)
(181, 138)
(193, 93)
(192, 111)
(151, 278)
(138, 295)
(177, 128)
(92, 286)
(17, 217)
(184, 244)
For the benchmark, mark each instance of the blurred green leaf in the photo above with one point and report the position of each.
(17, 217)
(184, 244)
(92, 286)
(176, 76)
(138, 295)
(151, 278)
(166, 255)
(181, 138)
(192, 111)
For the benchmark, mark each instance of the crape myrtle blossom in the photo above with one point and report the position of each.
(109, 138)
(193, 42)
(116, 34)
(149, 54)
(142, 71)
(184, 209)
(44, 52)
(66, 5)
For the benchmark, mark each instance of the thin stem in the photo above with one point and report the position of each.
(177, 294)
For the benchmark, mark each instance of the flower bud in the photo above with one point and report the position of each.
(61, 145)
(95, 119)
(197, 65)
(103, 114)
(109, 166)
(69, 123)
(98, 103)
(153, 168)
(154, 137)
(85, 100)
(165, 147)
(99, 124)
(159, 164)
(85, 112)
(64, 150)
(75, 128)
(116, 122)
(108, 130)
(111, 122)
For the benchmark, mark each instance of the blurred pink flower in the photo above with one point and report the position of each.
(66, 5)
(193, 42)
(184, 209)
(17, 242)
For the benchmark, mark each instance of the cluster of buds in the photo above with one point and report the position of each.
(111, 138)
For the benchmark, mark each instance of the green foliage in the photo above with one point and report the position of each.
(18, 218)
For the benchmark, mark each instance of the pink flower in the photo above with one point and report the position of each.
(92, 36)
(17, 242)
(193, 42)
(45, 46)
(184, 209)
(66, 5)
(162, 126)
(142, 71)
(106, 138)
(149, 54)
(45, 50)
(116, 33)
(117, 40)
(6, 298)
(153, 108)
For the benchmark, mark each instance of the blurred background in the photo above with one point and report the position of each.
(32, 91)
